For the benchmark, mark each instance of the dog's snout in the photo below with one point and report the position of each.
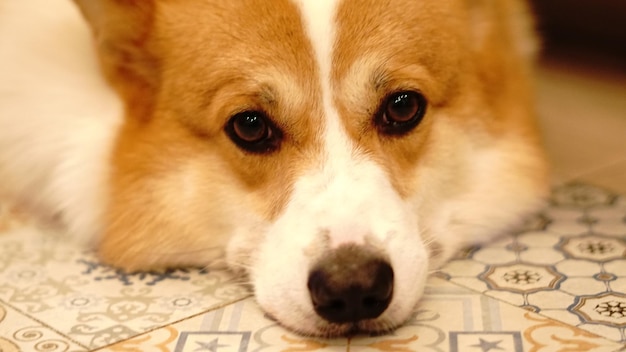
(351, 284)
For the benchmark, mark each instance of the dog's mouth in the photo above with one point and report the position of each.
(328, 330)
(357, 326)
(370, 327)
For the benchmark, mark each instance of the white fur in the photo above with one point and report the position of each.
(57, 115)
(493, 196)
(347, 200)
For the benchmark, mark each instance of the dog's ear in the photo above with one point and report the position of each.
(123, 35)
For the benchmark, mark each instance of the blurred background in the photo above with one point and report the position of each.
(582, 89)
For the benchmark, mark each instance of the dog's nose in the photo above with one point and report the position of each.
(351, 284)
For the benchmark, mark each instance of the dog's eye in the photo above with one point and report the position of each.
(253, 131)
(401, 112)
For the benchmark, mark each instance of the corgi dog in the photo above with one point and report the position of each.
(336, 152)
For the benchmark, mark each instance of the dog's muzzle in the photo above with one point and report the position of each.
(350, 284)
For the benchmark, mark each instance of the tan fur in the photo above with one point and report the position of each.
(184, 67)
(186, 91)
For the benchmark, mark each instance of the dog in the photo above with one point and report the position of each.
(336, 152)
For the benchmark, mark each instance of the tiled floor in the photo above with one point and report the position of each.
(560, 285)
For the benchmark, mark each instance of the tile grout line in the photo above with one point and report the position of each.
(43, 324)
(216, 307)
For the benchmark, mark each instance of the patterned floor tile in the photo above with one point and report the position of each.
(240, 327)
(573, 269)
(47, 278)
(449, 318)
(21, 333)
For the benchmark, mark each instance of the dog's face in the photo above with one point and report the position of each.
(336, 151)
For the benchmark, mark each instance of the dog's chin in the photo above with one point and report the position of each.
(371, 327)
(318, 328)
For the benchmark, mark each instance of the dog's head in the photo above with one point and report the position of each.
(336, 151)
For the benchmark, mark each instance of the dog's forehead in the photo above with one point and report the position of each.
(291, 48)
(295, 59)
(359, 45)
(401, 31)
(366, 49)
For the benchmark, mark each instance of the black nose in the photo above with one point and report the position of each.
(351, 284)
